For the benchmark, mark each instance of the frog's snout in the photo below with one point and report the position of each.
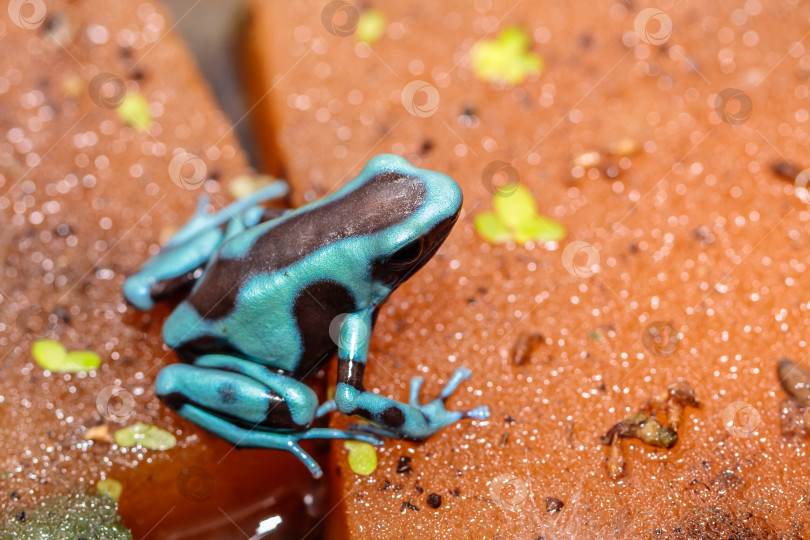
(137, 291)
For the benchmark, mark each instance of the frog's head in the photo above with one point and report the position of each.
(419, 207)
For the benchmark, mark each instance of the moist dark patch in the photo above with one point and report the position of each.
(383, 201)
(315, 307)
(393, 417)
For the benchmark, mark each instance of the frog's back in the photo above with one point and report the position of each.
(272, 248)
(275, 288)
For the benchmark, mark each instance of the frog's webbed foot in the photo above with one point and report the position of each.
(390, 418)
(413, 421)
(248, 405)
(436, 410)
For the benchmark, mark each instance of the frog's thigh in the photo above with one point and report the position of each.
(243, 392)
(248, 405)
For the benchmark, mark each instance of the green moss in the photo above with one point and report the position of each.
(79, 514)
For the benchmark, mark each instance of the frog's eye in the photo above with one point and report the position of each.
(407, 255)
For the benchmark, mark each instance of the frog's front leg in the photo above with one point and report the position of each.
(412, 420)
(180, 261)
(248, 405)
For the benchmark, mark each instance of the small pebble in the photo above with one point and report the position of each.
(434, 500)
(553, 505)
(785, 170)
(404, 465)
(524, 347)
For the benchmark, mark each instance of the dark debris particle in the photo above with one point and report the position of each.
(21, 517)
(388, 485)
(794, 379)
(553, 505)
(455, 492)
(585, 40)
(508, 419)
(504, 438)
(633, 248)
(404, 465)
(427, 146)
(785, 170)
(434, 500)
(524, 346)
(15, 496)
(137, 74)
(408, 505)
(419, 489)
(703, 234)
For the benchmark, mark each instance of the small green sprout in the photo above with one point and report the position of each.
(53, 356)
(134, 110)
(110, 487)
(146, 435)
(515, 218)
(370, 26)
(506, 58)
(362, 457)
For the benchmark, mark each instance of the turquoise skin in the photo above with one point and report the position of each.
(275, 295)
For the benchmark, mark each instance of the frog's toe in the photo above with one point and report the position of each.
(459, 376)
(478, 413)
(416, 385)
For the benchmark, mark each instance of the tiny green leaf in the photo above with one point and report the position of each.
(134, 110)
(53, 356)
(362, 457)
(146, 435)
(83, 360)
(514, 205)
(539, 229)
(505, 58)
(491, 229)
(110, 487)
(370, 26)
(515, 218)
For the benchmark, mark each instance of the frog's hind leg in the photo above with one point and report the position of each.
(249, 438)
(248, 405)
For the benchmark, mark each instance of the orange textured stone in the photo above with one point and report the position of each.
(685, 256)
(84, 201)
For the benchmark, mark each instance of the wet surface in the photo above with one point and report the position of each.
(688, 258)
(86, 195)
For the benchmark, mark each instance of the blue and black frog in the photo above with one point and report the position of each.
(265, 286)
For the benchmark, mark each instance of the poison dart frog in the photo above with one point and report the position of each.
(267, 286)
